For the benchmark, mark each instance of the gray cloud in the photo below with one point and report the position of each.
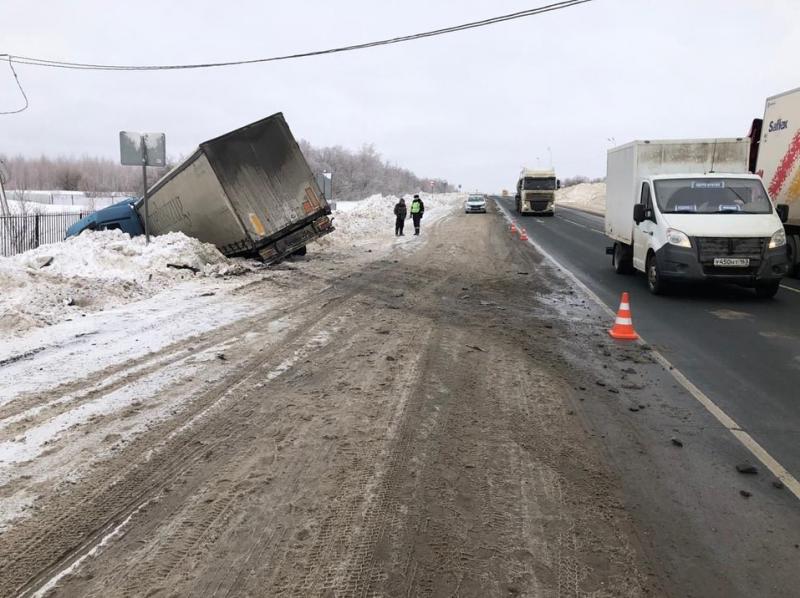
(472, 107)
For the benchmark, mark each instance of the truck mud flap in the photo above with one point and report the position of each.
(287, 245)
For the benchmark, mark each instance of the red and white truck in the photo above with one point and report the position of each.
(775, 156)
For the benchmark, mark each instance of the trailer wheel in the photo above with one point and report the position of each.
(623, 259)
(655, 283)
(300, 252)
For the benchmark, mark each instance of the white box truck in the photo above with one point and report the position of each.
(689, 210)
(776, 159)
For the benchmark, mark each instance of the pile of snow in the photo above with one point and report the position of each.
(586, 196)
(371, 220)
(97, 270)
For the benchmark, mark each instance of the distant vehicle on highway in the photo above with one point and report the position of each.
(689, 210)
(475, 203)
(536, 192)
(775, 157)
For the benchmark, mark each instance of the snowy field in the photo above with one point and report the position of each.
(65, 199)
(22, 208)
(586, 196)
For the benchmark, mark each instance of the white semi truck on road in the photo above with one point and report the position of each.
(690, 210)
(775, 156)
(536, 192)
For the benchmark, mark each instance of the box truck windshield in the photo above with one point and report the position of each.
(539, 184)
(712, 196)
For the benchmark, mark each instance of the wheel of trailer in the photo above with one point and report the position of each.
(300, 252)
(655, 283)
(623, 259)
(767, 290)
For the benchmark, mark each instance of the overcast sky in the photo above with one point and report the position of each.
(471, 107)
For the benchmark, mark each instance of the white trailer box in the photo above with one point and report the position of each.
(779, 153)
(629, 164)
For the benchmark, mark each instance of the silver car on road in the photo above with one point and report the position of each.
(475, 203)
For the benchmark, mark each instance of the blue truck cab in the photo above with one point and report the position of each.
(121, 215)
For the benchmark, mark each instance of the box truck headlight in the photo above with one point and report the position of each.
(676, 237)
(778, 239)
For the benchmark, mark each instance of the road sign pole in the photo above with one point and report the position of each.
(146, 202)
(143, 149)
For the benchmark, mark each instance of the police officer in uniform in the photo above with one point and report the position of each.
(417, 209)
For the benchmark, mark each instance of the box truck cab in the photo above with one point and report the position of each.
(688, 210)
(536, 192)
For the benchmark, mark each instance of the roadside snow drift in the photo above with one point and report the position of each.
(97, 270)
(371, 220)
(586, 196)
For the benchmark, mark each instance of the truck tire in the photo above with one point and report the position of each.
(623, 258)
(300, 252)
(655, 283)
(768, 290)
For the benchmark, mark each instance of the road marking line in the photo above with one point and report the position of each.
(540, 221)
(759, 452)
(594, 230)
(581, 211)
(788, 288)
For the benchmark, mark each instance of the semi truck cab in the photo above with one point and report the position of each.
(120, 215)
(536, 192)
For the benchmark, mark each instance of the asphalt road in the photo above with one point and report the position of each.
(741, 351)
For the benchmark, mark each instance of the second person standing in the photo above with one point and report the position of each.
(417, 209)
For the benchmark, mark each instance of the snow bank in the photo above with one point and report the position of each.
(586, 196)
(97, 270)
(371, 220)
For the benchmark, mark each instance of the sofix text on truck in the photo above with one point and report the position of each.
(689, 210)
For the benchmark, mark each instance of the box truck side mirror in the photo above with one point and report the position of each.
(782, 210)
(639, 213)
(558, 183)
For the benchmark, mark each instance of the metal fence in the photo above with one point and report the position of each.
(23, 232)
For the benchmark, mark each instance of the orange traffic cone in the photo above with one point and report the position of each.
(623, 325)
(513, 228)
(523, 236)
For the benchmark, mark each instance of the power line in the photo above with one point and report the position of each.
(384, 42)
(22, 91)
(44, 62)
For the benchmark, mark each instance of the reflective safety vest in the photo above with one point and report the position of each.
(416, 207)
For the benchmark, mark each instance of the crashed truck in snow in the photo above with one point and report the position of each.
(250, 192)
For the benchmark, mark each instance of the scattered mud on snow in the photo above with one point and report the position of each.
(393, 423)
